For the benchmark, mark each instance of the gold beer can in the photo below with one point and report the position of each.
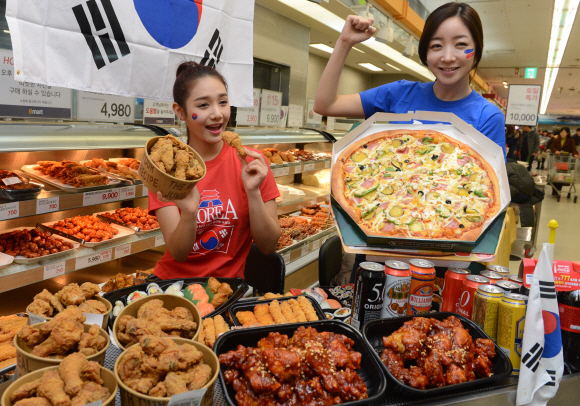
(510, 327)
(486, 308)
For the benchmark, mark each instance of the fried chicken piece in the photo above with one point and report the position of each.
(119, 281)
(179, 358)
(71, 312)
(93, 306)
(64, 336)
(297, 310)
(71, 295)
(455, 375)
(54, 302)
(223, 292)
(91, 371)
(484, 346)
(199, 376)
(88, 180)
(282, 363)
(182, 313)
(130, 366)
(41, 307)
(407, 341)
(92, 342)
(7, 351)
(195, 170)
(181, 164)
(91, 392)
(308, 309)
(286, 310)
(175, 384)
(213, 283)
(148, 307)
(162, 154)
(432, 367)
(33, 402)
(209, 331)
(276, 312)
(159, 390)
(25, 391)
(31, 336)
(233, 140)
(247, 318)
(44, 295)
(142, 327)
(52, 387)
(90, 289)
(220, 325)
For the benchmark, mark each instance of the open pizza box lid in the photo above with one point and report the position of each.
(452, 126)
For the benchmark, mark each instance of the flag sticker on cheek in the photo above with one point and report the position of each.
(469, 53)
(194, 116)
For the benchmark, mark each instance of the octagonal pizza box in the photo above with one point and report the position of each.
(456, 129)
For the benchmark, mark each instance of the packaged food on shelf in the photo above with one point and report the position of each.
(209, 296)
(284, 310)
(14, 186)
(92, 230)
(134, 217)
(28, 245)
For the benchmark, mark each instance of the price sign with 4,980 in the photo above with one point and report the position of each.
(105, 107)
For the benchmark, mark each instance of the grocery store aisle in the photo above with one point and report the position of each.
(567, 214)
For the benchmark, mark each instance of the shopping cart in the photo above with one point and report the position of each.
(564, 170)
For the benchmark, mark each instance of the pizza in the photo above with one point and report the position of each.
(416, 184)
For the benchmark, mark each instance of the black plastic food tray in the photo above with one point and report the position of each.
(248, 305)
(370, 370)
(375, 330)
(237, 284)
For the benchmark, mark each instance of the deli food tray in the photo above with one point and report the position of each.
(123, 233)
(5, 260)
(237, 284)
(126, 225)
(28, 169)
(19, 259)
(370, 370)
(116, 160)
(15, 195)
(374, 331)
(248, 305)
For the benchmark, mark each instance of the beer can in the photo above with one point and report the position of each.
(511, 322)
(368, 293)
(493, 277)
(422, 283)
(502, 270)
(454, 278)
(516, 279)
(508, 286)
(397, 286)
(470, 285)
(486, 308)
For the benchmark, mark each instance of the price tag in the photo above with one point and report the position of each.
(308, 167)
(277, 172)
(107, 255)
(305, 250)
(88, 260)
(53, 270)
(159, 240)
(100, 196)
(11, 181)
(295, 115)
(270, 108)
(285, 171)
(191, 398)
(249, 115)
(127, 192)
(47, 205)
(92, 318)
(123, 251)
(286, 258)
(315, 245)
(327, 164)
(9, 211)
(105, 107)
(145, 191)
(298, 169)
(35, 318)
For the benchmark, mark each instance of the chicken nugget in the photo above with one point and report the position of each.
(210, 334)
(307, 308)
(271, 295)
(287, 312)
(267, 153)
(276, 159)
(284, 156)
(220, 325)
(246, 317)
(213, 284)
(266, 320)
(290, 156)
(277, 313)
(201, 336)
(219, 299)
(297, 310)
(261, 310)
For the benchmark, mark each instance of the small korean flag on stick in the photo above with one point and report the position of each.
(542, 364)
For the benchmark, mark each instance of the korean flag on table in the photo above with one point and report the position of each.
(131, 47)
(542, 364)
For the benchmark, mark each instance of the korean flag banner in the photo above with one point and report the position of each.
(542, 364)
(131, 47)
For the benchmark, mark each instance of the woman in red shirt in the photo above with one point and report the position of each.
(211, 230)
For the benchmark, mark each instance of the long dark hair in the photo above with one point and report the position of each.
(468, 16)
(567, 129)
(187, 73)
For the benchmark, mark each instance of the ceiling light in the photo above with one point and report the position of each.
(561, 26)
(500, 51)
(356, 49)
(505, 83)
(506, 86)
(322, 47)
(393, 66)
(370, 66)
(386, 33)
(409, 50)
(7, 32)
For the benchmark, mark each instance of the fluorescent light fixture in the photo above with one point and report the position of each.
(7, 32)
(370, 66)
(393, 66)
(356, 49)
(505, 83)
(322, 47)
(500, 51)
(562, 23)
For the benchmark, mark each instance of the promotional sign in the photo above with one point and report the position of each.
(250, 115)
(295, 116)
(30, 100)
(313, 119)
(523, 105)
(270, 108)
(158, 112)
(131, 48)
(105, 107)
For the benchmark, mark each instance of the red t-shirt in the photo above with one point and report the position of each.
(223, 222)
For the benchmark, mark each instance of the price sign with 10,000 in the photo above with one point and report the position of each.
(523, 105)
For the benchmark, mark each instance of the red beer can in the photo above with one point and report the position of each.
(470, 285)
(422, 283)
(454, 278)
(494, 277)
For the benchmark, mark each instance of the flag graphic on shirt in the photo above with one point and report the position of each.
(469, 53)
(106, 33)
(216, 239)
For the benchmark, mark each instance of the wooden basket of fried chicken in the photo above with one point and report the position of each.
(171, 167)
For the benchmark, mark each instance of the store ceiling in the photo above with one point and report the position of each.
(519, 25)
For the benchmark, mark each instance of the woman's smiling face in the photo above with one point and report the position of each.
(450, 55)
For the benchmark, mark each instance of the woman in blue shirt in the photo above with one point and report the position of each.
(451, 47)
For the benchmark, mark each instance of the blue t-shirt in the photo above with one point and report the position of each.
(404, 96)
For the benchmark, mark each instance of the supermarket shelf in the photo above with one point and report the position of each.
(293, 168)
(17, 275)
(298, 251)
(311, 196)
(49, 201)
